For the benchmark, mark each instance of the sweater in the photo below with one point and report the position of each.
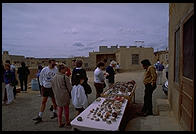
(46, 76)
(60, 90)
(79, 99)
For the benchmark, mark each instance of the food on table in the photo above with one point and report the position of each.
(79, 118)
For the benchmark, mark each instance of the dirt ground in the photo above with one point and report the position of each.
(18, 115)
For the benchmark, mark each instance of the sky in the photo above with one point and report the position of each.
(61, 30)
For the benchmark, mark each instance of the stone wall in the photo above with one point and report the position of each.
(177, 11)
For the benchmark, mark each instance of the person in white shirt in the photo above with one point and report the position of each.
(45, 78)
(117, 67)
(79, 99)
(99, 80)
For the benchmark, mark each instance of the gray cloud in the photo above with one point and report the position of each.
(83, 26)
(78, 44)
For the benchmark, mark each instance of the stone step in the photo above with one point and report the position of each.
(162, 106)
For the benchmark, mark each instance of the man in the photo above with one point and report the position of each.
(99, 79)
(45, 78)
(159, 67)
(12, 68)
(23, 73)
(110, 73)
(150, 78)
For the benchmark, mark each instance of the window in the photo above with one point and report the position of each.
(176, 56)
(188, 48)
(135, 58)
(166, 56)
(85, 64)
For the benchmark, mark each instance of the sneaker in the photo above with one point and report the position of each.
(62, 125)
(53, 116)
(38, 120)
(68, 124)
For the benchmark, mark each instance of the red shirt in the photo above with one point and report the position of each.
(68, 72)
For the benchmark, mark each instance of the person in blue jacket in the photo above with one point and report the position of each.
(110, 74)
(9, 79)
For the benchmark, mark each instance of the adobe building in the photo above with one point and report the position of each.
(129, 58)
(181, 63)
(14, 59)
(162, 56)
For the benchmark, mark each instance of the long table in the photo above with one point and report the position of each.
(91, 125)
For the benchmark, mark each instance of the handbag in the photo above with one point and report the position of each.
(87, 88)
(67, 88)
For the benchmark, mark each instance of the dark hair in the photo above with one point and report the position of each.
(7, 61)
(79, 63)
(61, 66)
(100, 64)
(146, 62)
(40, 67)
(74, 60)
(23, 64)
(77, 79)
(51, 60)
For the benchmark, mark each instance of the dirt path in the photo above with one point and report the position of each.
(18, 116)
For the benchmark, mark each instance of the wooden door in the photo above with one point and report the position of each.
(187, 75)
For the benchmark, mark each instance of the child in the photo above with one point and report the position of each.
(61, 87)
(79, 98)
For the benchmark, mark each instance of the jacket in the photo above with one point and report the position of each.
(111, 73)
(59, 89)
(150, 75)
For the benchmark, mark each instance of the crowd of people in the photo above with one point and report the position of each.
(9, 80)
(55, 82)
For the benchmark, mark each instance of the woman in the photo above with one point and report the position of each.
(9, 78)
(99, 79)
(82, 72)
(61, 87)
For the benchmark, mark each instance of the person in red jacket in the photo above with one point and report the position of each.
(68, 72)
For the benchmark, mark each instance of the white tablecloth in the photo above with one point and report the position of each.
(91, 125)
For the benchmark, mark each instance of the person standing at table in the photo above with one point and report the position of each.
(99, 79)
(150, 78)
(82, 72)
(110, 73)
(61, 87)
(79, 98)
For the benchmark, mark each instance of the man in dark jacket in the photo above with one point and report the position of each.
(110, 71)
(23, 73)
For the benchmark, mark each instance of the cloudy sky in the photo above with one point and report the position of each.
(75, 29)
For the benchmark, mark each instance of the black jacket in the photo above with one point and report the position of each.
(111, 73)
(23, 72)
(85, 84)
